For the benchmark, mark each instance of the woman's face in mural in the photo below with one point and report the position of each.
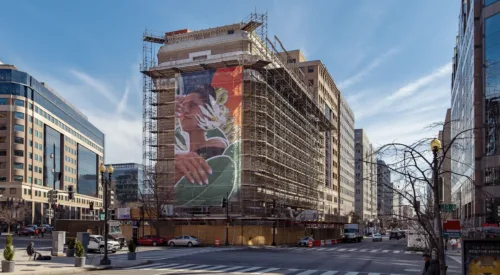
(187, 108)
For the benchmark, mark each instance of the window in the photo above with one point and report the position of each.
(18, 178)
(3, 139)
(19, 115)
(36, 109)
(18, 140)
(40, 170)
(18, 165)
(12, 191)
(31, 106)
(19, 153)
(230, 32)
(310, 69)
(3, 152)
(30, 143)
(36, 181)
(18, 128)
(311, 82)
(36, 157)
(19, 102)
(3, 101)
(3, 165)
(3, 127)
(36, 145)
(40, 147)
(30, 179)
(489, 2)
(36, 134)
(31, 118)
(30, 167)
(31, 155)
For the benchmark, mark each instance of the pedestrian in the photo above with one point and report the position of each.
(43, 231)
(453, 243)
(36, 233)
(431, 267)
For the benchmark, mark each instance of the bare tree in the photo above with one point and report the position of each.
(417, 167)
(13, 212)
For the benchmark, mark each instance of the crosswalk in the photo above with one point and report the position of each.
(175, 268)
(157, 255)
(343, 249)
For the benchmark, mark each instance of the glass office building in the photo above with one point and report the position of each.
(40, 132)
(128, 182)
(475, 115)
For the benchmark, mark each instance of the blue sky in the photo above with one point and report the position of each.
(390, 59)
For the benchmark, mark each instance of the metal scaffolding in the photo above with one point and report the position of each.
(282, 131)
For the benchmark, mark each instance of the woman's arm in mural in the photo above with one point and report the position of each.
(193, 167)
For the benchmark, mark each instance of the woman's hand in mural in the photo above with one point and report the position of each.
(193, 167)
(179, 106)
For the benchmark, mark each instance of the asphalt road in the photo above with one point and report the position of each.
(367, 257)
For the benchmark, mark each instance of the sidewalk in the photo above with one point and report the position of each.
(64, 265)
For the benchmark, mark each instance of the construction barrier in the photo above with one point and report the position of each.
(310, 243)
(217, 242)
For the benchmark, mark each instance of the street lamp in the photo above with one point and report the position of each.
(102, 168)
(435, 148)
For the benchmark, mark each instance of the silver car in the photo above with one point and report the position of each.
(184, 241)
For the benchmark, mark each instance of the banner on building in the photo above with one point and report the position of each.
(207, 136)
(122, 213)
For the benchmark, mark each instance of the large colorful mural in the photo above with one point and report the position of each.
(208, 136)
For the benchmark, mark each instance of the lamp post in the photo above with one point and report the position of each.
(436, 147)
(102, 168)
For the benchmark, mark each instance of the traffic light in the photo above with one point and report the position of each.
(224, 203)
(91, 205)
(71, 193)
(111, 199)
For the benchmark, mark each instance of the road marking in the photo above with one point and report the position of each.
(202, 266)
(183, 266)
(228, 269)
(373, 273)
(420, 252)
(354, 249)
(331, 249)
(145, 266)
(165, 266)
(248, 269)
(396, 251)
(374, 250)
(385, 251)
(215, 267)
(342, 249)
(407, 252)
(266, 270)
(329, 273)
(321, 248)
(307, 272)
(351, 273)
(363, 250)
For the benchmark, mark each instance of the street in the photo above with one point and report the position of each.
(367, 257)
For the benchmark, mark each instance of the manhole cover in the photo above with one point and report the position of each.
(413, 270)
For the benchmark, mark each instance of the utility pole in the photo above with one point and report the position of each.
(435, 147)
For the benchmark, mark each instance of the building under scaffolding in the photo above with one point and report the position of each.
(267, 155)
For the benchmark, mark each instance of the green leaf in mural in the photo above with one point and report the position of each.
(233, 151)
(215, 133)
(179, 136)
(221, 182)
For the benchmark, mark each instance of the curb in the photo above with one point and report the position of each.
(79, 270)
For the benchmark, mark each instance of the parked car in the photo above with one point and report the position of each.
(47, 227)
(96, 243)
(27, 231)
(184, 240)
(377, 237)
(402, 234)
(394, 235)
(304, 241)
(151, 240)
(118, 238)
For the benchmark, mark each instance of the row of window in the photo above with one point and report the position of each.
(70, 160)
(66, 128)
(69, 179)
(70, 150)
(69, 169)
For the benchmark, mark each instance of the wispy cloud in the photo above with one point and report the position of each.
(367, 70)
(412, 87)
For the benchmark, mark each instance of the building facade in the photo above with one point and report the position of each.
(365, 177)
(127, 180)
(475, 101)
(445, 170)
(40, 129)
(397, 203)
(347, 141)
(250, 117)
(384, 191)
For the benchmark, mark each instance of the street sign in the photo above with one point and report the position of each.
(451, 229)
(447, 207)
(102, 217)
(48, 216)
(451, 235)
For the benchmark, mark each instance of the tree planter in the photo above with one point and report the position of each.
(70, 252)
(132, 256)
(79, 261)
(8, 266)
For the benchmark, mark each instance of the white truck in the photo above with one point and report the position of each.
(351, 233)
(96, 243)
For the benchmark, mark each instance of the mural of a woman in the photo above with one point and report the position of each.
(198, 111)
